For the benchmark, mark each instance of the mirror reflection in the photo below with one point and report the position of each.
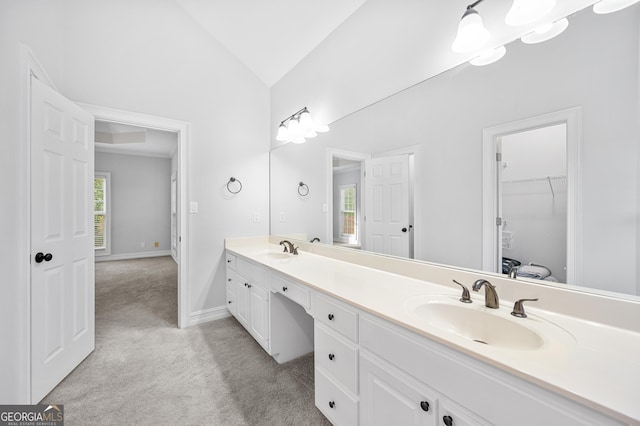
(563, 220)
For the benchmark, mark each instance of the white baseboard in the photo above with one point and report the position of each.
(140, 255)
(206, 315)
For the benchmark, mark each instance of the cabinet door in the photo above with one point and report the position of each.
(243, 291)
(232, 291)
(259, 315)
(452, 414)
(389, 397)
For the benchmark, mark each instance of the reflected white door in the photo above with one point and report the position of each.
(62, 254)
(387, 205)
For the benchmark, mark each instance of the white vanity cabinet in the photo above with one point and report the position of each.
(336, 360)
(399, 370)
(247, 292)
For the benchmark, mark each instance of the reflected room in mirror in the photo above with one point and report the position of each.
(566, 211)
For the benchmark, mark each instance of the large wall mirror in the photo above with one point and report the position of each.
(591, 69)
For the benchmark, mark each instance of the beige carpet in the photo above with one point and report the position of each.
(146, 371)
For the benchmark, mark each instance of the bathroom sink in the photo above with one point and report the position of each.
(479, 324)
(275, 255)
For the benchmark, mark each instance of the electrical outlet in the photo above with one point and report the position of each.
(281, 216)
(193, 207)
(256, 217)
(156, 244)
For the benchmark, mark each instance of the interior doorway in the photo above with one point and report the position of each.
(181, 130)
(531, 196)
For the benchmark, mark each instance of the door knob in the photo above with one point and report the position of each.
(404, 229)
(41, 256)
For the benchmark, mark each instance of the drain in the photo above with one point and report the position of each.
(479, 341)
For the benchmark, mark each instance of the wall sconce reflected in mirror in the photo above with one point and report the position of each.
(234, 185)
(303, 189)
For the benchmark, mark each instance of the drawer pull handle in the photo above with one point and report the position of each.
(330, 316)
(284, 289)
(332, 404)
(448, 421)
(424, 405)
(331, 356)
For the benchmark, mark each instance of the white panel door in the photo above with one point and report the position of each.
(387, 205)
(62, 259)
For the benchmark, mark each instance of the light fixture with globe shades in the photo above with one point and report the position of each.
(471, 31)
(299, 126)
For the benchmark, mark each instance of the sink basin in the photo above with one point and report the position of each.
(275, 255)
(479, 324)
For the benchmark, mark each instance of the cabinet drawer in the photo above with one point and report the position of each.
(231, 261)
(298, 293)
(337, 405)
(337, 316)
(254, 273)
(336, 355)
(459, 416)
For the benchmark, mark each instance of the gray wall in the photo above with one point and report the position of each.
(140, 202)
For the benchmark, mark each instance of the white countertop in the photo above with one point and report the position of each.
(594, 364)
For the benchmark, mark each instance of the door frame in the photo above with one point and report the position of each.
(31, 66)
(347, 155)
(182, 128)
(572, 118)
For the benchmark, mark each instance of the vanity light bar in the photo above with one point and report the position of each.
(299, 126)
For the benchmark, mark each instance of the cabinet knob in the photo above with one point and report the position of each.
(228, 261)
(249, 285)
(330, 316)
(284, 289)
(228, 279)
(332, 404)
(424, 405)
(448, 421)
(331, 356)
(229, 302)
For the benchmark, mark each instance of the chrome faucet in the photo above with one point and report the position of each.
(490, 296)
(513, 272)
(292, 249)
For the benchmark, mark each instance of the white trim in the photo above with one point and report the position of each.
(29, 67)
(124, 151)
(183, 130)
(572, 118)
(107, 250)
(347, 155)
(127, 256)
(206, 315)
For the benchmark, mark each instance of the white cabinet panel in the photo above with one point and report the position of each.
(334, 402)
(337, 355)
(337, 316)
(387, 396)
(259, 315)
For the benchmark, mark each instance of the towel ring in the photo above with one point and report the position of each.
(232, 180)
(303, 189)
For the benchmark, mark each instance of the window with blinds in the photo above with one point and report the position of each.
(100, 211)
